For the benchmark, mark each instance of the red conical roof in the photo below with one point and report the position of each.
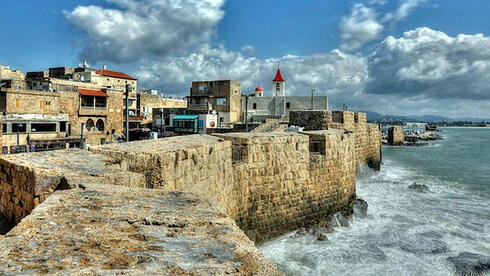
(278, 76)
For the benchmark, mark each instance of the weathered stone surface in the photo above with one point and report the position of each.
(108, 230)
(28, 179)
(367, 136)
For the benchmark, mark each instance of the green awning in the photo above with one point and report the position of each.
(185, 117)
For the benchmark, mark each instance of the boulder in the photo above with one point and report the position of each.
(322, 237)
(339, 219)
(467, 263)
(360, 207)
(419, 187)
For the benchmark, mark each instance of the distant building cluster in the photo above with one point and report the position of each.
(71, 107)
(77, 107)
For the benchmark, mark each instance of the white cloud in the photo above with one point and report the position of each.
(405, 8)
(330, 73)
(359, 27)
(430, 64)
(146, 27)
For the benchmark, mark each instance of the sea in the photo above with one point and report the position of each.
(406, 231)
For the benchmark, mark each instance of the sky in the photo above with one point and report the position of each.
(402, 57)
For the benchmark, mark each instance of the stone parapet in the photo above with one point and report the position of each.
(367, 136)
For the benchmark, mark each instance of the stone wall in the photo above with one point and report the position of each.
(367, 136)
(395, 135)
(268, 183)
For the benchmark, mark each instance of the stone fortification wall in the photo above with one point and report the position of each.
(367, 136)
(197, 163)
(268, 183)
(395, 135)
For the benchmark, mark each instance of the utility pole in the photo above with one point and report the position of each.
(81, 136)
(126, 112)
(312, 91)
(246, 113)
(18, 136)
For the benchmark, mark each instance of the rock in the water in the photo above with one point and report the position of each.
(339, 219)
(419, 187)
(360, 207)
(322, 237)
(301, 231)
(467, 263)
(425, 246)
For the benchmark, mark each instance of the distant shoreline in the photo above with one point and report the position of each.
(465, 127)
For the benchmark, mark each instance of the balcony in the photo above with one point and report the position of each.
(93, 110)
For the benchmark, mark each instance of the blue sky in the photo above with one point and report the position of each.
(245, 40)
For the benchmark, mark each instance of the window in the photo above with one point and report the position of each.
(4, 128)
(70, 104)
(202, 87)
(288, 105)
(255, 106)
(62, 126)
(221, 101)
(43, 127)
(19, 126)
(278, 86)
(100, 125)
(87, 101)
(89, 124)
(18, 103)
(100, 102)
(44, 104)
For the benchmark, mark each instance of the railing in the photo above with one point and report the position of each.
(95, 107)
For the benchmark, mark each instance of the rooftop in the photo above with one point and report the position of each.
(114, 74)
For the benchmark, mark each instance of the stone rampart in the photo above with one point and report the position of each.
(268, 183)
(367, 136)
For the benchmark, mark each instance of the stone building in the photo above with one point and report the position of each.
(148, 102)
(66, 103)
(278, 106)
(220, 96)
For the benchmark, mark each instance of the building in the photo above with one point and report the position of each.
(148, 101)
(261, 108)
(221, 96)
(62, 107)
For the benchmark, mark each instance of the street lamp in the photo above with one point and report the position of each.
(19, 126)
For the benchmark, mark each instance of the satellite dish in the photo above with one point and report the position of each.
(214, 112)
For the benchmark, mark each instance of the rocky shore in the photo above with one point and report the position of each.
(416, 139)
(322, 227)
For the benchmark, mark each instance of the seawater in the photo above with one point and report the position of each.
(406, 232)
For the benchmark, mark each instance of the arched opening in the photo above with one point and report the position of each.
(89, 124)
(100, 125)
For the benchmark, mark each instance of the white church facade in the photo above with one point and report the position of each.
(278, 105)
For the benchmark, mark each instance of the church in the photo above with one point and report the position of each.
(277, 106)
